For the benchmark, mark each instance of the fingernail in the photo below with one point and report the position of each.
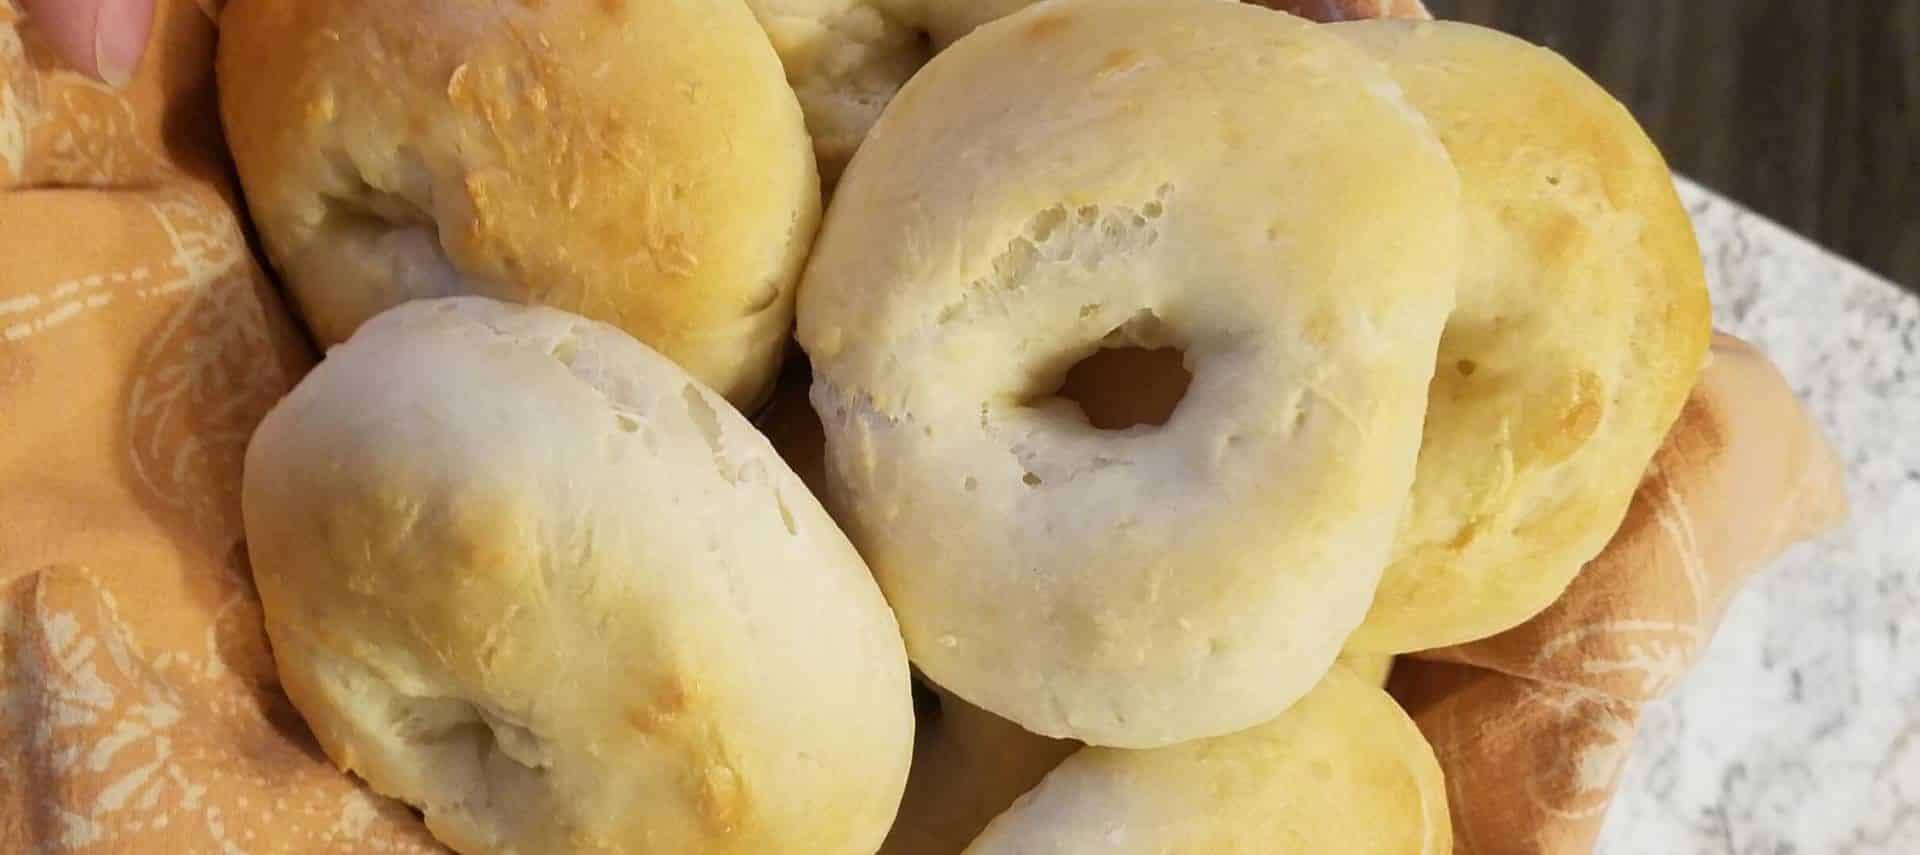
(119, 38)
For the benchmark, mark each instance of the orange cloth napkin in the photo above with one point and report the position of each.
(140, 343)
(1532, 726)
(139, 346)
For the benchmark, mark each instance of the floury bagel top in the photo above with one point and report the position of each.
(1192, 174)
(643, 164)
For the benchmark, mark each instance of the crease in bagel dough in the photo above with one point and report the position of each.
(1343, 770)
(463, 739)
(650, 170)
(1090, 172)
(554, 630)
(1583, 319)
(969, 765)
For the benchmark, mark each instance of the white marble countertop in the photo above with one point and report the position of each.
(1799, 732)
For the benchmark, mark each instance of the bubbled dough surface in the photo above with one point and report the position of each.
(1582, 322)
(1344, 770)
(1092, 166)
(522, 572)
(644, 164)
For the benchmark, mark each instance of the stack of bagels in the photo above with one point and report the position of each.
(1170, 366)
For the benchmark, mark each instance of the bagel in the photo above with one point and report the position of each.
(527, 575)
(1163, 174)
(644, 165)
(1583, 320)
(1344, 770)
(1140, 388)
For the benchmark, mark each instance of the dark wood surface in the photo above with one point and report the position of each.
(1805, 110)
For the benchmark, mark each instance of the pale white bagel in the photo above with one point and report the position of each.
(526, 574)
(644, 164)
(1345, 770)
(1184, 173)
(1583, 320)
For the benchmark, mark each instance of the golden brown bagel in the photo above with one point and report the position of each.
(1582, 323)
(641, 164)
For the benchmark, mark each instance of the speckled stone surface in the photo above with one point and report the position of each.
(1799, 731)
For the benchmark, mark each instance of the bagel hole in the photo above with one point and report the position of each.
(922, 48)
(456, 721)
(1136, 376)
(362, 202)
(1117, 388)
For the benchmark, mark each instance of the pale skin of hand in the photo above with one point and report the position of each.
(101, 38)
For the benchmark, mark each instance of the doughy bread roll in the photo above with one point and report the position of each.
(644, 164)
(1582, 323)
(1183, 174)
(524, 573)
(1344, 770)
